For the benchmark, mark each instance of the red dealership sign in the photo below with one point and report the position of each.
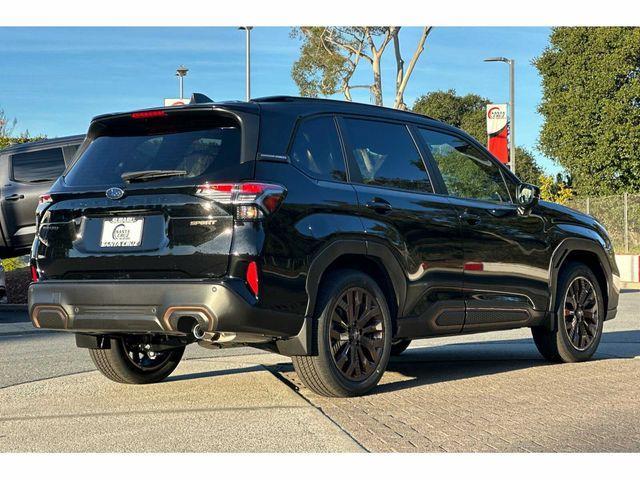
(175, 102)
(497, 130)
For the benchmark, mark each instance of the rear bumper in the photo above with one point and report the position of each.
(154, 307)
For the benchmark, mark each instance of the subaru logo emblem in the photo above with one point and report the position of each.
(115, 193)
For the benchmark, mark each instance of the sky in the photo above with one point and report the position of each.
(54, 80)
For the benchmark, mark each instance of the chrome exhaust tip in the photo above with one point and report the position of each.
(198, 332)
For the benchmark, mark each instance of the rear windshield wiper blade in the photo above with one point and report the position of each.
(144, 175)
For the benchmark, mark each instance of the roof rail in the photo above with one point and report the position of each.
(291, 98)
(287, 98)
(200, 98)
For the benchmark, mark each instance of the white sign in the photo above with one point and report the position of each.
(175, 102)
(496, 117)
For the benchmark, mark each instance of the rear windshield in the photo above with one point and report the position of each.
(201, 153)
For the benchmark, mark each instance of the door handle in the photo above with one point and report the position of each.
(380, 206)
(502, 212)
(470, 218)
(14, 197)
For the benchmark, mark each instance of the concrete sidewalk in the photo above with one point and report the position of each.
(217, 404)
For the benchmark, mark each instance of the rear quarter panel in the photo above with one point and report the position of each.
(314, 214)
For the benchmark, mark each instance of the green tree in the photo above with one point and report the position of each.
(527, 168)
(468, 113)
(591, 106)
(24, 137)
(554, 190)
(330, 56)
(6, 132)
(6, 125)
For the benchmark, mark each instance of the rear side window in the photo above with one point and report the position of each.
(203, 153)
(316, 150)
(41, 166)
(385, 154)
(466, 172)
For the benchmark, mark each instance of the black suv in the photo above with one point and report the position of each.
(28, 170)
(328, 231)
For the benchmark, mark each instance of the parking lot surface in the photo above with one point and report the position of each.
(493, 392)
(479, 399)
(485, 392)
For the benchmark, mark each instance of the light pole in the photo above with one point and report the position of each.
(181, 72)
(248, 61)
(512, 108)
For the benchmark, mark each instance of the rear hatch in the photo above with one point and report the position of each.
(128, 207)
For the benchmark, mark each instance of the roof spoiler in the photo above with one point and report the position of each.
(200, 98)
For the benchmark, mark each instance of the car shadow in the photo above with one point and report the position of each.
(215, 373)
(622, 336)
(426, 365)
(430, 365)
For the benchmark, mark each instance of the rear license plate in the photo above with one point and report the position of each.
(122, 232)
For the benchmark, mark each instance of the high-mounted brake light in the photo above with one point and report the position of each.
(46, 198)
(149, 114)
(253, 199)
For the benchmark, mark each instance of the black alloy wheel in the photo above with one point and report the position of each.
(581, 316)
(143, 356)
(352, 334)
(575, 334)
(136, 359)
(356, 334)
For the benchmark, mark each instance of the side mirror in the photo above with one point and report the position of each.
(527, 195)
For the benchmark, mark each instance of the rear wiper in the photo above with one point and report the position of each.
(144, 175)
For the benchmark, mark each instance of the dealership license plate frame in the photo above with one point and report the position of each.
(122, 232)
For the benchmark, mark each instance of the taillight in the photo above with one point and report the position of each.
(34, 273)
(148, 114)
(46, 198)
(252, 278)
(253, 200)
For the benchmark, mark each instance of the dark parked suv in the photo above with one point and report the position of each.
(331, 232)
(28, 170)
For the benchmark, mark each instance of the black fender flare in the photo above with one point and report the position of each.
(338, 248)
(561, 252)
(302, 343)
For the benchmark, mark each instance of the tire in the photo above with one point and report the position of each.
(116, 364)
(399, 346)
(577, 334)
(353, 350)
